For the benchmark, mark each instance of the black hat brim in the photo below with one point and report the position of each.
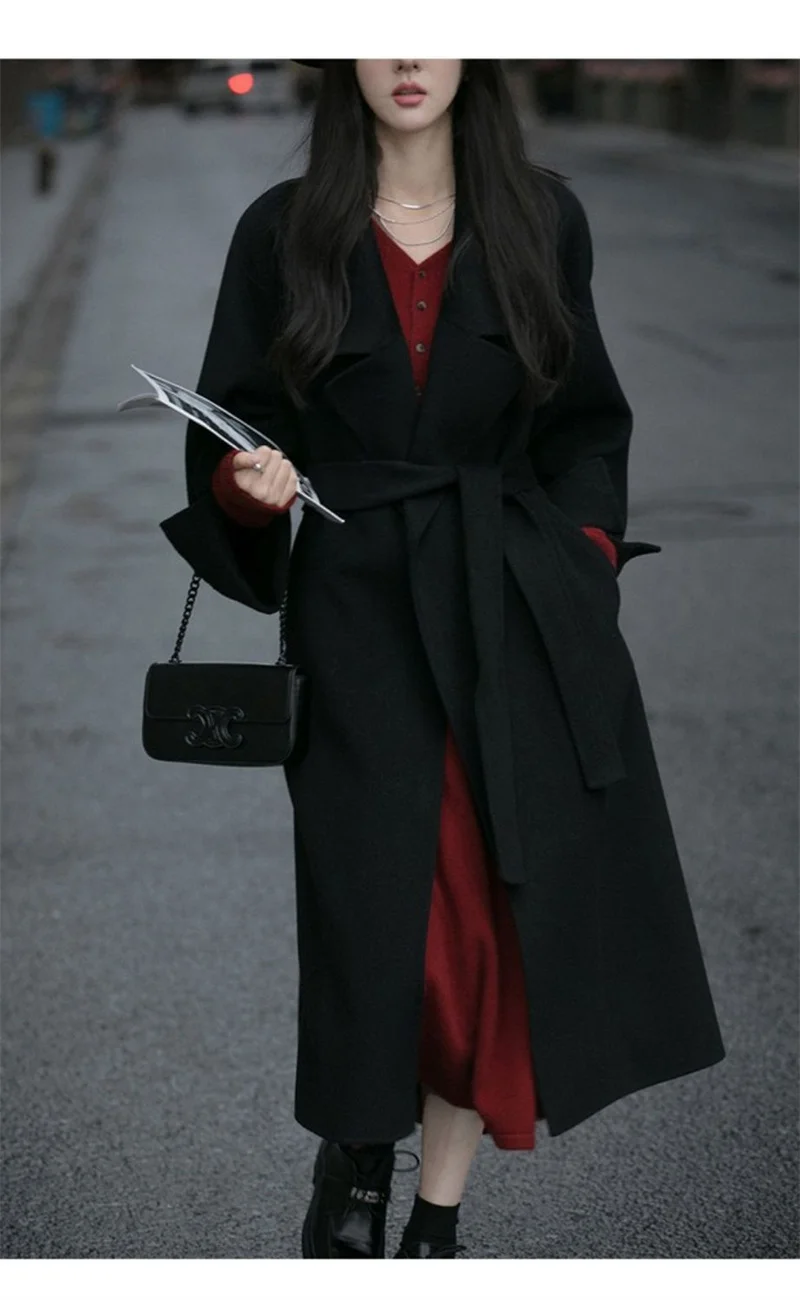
(310, 63)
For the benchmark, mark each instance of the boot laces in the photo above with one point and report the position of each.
(365, 1195)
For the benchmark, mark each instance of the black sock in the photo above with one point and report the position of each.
(429, 1222)
(370, 1158)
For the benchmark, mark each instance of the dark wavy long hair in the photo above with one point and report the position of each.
(514, 216)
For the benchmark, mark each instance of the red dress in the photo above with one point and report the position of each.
(475, 1048)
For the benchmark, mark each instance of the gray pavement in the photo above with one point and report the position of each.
(149, 974)
(733, 159)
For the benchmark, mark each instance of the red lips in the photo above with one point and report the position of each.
(408, 88)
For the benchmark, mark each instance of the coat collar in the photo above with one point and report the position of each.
(472, 374)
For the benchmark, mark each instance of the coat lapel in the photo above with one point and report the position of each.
(372, 386)
(472, 374)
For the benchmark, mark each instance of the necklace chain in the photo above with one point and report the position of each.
(416, 206)
(418, 221)
(413, 243)
(395, 221)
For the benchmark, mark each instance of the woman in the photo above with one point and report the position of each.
(493, 924)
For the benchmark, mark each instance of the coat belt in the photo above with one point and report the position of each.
(488, 540)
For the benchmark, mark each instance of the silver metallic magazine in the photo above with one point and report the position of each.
(227, 427)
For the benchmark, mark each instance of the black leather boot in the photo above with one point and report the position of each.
(347, 1215)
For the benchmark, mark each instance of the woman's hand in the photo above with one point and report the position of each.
(274, 485)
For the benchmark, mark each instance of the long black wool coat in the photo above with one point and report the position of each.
(460, 588)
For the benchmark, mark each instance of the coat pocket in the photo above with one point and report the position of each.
(626, 549)
(585, 492)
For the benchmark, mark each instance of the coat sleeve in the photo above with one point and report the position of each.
(244, 563)
(580, 439)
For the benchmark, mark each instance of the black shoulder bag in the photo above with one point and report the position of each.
(231, 715)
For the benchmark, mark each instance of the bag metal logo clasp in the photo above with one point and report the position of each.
(214, 722)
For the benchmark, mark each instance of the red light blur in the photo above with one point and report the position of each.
(241, 83)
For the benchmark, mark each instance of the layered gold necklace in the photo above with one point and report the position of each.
(417, 207)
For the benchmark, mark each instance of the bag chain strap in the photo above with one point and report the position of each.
(175, 657)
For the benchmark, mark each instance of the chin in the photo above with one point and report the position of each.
(408, 121)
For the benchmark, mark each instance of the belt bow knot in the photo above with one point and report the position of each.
(482, 490)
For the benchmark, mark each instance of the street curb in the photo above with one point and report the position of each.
(33, 346)
(14, 320)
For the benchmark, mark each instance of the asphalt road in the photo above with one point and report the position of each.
(149, 971)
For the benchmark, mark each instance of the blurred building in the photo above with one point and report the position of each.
(19, 78)
(88, 87)
(754, 101)
(157, 81)
(765, 104)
